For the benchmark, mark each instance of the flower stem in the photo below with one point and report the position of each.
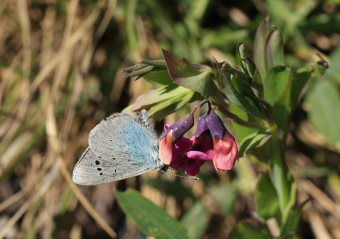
(205, 101)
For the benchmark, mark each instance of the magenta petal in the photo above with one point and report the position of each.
(192, 169)
(178, 164)
(182, 145)
(198, 155)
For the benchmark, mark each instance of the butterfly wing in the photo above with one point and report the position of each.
(121, 146)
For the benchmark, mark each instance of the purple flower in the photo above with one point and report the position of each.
(225, 147)
(211, 142)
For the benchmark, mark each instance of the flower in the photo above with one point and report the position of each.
(225, 147)
(211, 142)
(170, 135)
(226, 152)
(191, 154)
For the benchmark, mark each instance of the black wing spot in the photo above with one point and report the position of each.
(99, 169)
(97, 162)
(115, 170)
(113, 158)
(101, 174)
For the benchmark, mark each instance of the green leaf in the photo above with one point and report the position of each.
(300, 77)
(266, 198)
(241, 131)
(274, 50)
(158, 95)
(260, 46)
(164, 108)
(163, 101)
(268, 48)
(281, 179)
(276, 84)
(241, 53)
(198, 78)
(243, 101)
(196, 220)
(154, 71)
(149, 218)
(247, 231)
(254, 140)
(324, 110)
(250, 69)
(281, 116)
(333, 72)
(159, 76)
(290, 14)
(294, 219)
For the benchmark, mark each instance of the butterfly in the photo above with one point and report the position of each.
(121, 146)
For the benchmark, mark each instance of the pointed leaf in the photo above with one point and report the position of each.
(244, 101)
(154, 71)
(158, 95)
(300, 77)
(274, 50)
(260, 46)
(333, 72)
(276, 83)
(198, 78)
(324, 110)
(171, 105)
(158, 76)
(294, 219)
(149, 218)
(254, 140)
(266, 198)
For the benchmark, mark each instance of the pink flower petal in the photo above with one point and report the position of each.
(199, 155)
(166, 148)
(226, 152)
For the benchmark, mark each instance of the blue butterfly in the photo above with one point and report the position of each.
(121, 146)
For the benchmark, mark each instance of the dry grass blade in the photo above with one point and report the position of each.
(320, 197)
(318, 226)
(10, 201)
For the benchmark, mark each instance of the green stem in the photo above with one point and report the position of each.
(280, 175)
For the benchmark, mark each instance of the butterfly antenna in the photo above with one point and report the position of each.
(165, 171)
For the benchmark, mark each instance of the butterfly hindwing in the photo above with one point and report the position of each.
(120, 146)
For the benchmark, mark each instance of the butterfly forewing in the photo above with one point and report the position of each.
(119, 147)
